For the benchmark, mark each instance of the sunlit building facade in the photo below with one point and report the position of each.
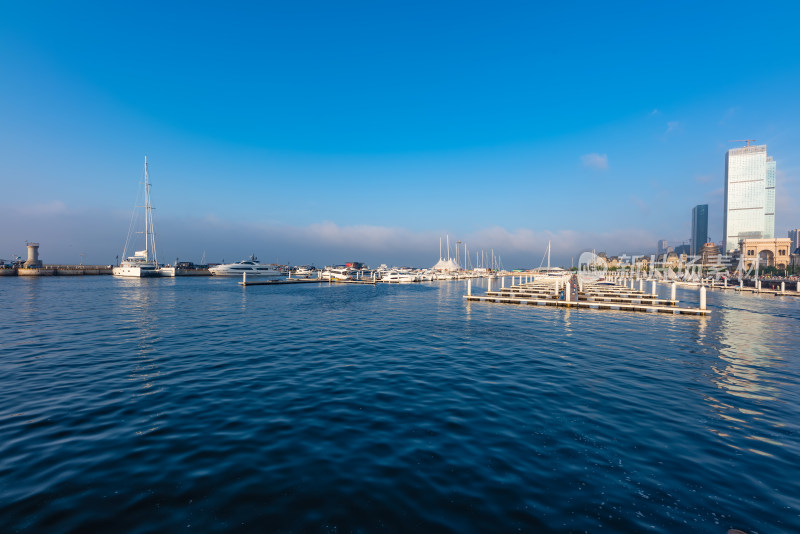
(749, 211)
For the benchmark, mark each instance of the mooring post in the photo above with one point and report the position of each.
(641, 285)
(490, 284)
(672, 291)
(702, 297)
(567, 290)
(653, 287)
(469, 286)
(725, 282)
(503, 282)
(783, 287)
(741, 284)
(244, 279)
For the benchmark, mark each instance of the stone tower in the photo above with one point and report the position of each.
(33, 256)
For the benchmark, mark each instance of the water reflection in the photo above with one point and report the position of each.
(746, 355)
(142, 312)
(747, 373)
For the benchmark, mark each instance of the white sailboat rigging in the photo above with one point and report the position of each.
(143, 262)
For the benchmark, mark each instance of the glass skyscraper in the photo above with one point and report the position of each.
(699, 227)
(749, 196)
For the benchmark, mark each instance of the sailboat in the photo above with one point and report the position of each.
(142, 263)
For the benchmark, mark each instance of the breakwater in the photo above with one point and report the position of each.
(58, 270)
(81, 270)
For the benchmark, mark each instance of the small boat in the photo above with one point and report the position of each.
(143, 263)
(251, 267)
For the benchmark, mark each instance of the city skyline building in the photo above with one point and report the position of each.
(794, 235)
(662, 246)
(699, 228)
(749, 203)
(683, 249)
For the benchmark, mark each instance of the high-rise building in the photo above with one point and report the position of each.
(662, 246)
(794, 235)
(699, 228)
(749, 196)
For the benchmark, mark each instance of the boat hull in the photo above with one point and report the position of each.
(134, 272)
(255, 274)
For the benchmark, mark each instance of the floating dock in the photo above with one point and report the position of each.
(572, 293)
(756, 290)
(284, 281)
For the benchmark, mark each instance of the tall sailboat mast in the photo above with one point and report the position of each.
(548, 256)
(149, 230)
(146, 214)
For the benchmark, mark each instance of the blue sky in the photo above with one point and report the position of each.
(323, 132)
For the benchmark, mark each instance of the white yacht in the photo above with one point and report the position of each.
(252, 267)
(301, 272)
(398, 277)
(337, 273)
(143, 262)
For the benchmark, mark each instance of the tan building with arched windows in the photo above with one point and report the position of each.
(769, 252)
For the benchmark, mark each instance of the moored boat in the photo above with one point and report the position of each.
(143, 263)
(251, 267)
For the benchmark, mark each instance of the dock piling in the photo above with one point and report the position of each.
(672, 291)
(702, 297)
(469, 286)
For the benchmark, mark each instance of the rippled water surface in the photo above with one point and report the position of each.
(156, 405)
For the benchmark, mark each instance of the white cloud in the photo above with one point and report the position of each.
(672, 126)
(595, 161)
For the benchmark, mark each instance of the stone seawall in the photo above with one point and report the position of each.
(58, 270)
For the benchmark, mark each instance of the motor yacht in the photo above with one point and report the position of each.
(252, 267)
(337, 273)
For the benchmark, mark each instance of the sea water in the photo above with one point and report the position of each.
(191, 403)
